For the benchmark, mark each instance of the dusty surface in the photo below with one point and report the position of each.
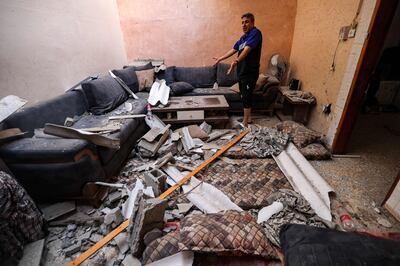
(363, 181)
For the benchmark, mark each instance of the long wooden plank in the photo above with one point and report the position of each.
(93, 249)
(125, 224)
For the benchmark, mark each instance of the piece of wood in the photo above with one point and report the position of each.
(93, 249)
(116, 117)
(125, 224)
(346, 156)
(73, 133)
(10, 134)
(58, 209)
(204, 164)
(110, 128)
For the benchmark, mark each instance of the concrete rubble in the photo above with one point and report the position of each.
(164, 158)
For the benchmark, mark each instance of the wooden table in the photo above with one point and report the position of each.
(189, 109)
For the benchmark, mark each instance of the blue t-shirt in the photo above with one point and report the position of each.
(251, 63)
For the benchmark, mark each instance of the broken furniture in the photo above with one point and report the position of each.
(51, 167)
(297, 103)
(192, 109)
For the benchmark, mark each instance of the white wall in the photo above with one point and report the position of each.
(48, 46)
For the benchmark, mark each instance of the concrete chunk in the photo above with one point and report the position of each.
(56, 210)
(32, 254)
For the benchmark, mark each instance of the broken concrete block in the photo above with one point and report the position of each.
(146, 216)
(157, 180)
(206, 127)
(184, 207)
(114, 215)
(56, 210)
(95, 238)
(122, 242)
(32, 254)
(152, 235)
(131, 261)
(72, 249)
(71, 227)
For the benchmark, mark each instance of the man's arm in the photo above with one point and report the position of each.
(242, 56)
(225, 56)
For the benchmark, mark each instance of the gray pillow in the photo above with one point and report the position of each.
(180, 88)
(103, 94)
(128, 75)
(222, 78)
(199, 77)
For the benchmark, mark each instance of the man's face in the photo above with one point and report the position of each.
(247, 25)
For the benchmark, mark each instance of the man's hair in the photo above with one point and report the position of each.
(249, 16)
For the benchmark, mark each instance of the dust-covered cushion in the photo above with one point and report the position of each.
(180, 88)
(161, 247)
(145, 78)
(128, 75)
(225, 233)
(261, 81)
(103, 94)
(315, 151)
(199, 77)
(300, 135)
(222, 78)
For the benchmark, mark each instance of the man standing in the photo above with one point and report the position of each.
(247, 62)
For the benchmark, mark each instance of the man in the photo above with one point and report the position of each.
(247, 62)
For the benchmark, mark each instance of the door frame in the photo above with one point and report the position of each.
(380, 22)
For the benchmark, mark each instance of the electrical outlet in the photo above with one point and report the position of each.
(344, 33)
(352, 33)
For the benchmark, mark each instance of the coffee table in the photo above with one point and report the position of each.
(189, 109)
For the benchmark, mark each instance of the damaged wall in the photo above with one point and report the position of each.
(191, 33)
(315, 39)
(48, 46)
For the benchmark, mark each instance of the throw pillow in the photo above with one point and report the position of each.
(142, 67)
(103, 94)
(128, 76)
(261, 81)
(222, 78)
(161, 248)
(180, 88)
(315, 151)
(145, 78)
(229, 232)
(235, 88)
(300, 135)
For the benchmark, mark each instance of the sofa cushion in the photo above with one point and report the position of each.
(180, 88)
(43, 150)
(222, 78)
(202, 77)
(168, 75)
(53, 111)
(145, 78)
(128, 126)
(128, 75)
(103, 94)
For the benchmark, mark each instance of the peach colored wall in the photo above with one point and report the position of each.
(314, 41)
(190, 33)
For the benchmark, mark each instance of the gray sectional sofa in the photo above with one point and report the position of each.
(52, 168)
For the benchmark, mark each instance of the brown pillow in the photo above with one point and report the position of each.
(145, 78)
(161, 247)
(226, 233)
(262, 79)
(235, 87)
(300, 135)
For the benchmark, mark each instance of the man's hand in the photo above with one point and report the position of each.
(233, 65)
(217, 60)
